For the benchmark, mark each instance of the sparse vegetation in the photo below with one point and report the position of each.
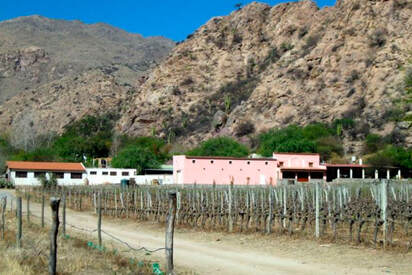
(377, 38)
(244, 128)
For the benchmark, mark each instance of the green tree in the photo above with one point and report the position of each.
(220, 146)
(392, 156)
(289, 139)
(90, 137)
(136, 157)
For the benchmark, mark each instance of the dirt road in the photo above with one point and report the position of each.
(221, 253)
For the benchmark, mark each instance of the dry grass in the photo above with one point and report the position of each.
(74, 254)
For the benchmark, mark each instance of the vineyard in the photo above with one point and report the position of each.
(377, 214)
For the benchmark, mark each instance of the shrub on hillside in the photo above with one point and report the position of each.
(220, 146)
(136, 157)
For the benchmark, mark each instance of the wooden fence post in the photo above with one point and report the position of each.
(42, 209)
(99, 219)
(54, 204)
(270, 214)
(3, 219)
(64, 214)
(230, 202)
(317, 233)
(19, 222)
(28, 208)
(170, 227)
(384, 205)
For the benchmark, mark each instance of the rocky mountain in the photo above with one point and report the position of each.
(55, 71)
(259, 67)
(262, 67)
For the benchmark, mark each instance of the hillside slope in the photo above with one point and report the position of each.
(35, 50)
(263, 67)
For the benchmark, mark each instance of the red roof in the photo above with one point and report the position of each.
(46, 166)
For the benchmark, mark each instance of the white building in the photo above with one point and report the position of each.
(28, 172)
(109, 175)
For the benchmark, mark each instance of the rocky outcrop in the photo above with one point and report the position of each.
(273, 66)
(35, 50)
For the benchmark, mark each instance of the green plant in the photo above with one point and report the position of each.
(136, 157)
(220, 146)
(227, 103)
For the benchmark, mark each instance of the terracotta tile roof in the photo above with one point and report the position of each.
(46, 166)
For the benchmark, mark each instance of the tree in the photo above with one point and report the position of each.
(135, 157)
(392, 156)
(289, 139)
(90, 137)
(220, 146)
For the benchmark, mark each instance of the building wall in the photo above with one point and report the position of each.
(31, 180)
(189, 170)
(99, 178)
(298, 160)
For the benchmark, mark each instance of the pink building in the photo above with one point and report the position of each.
(223, 170)
(302, 167)
(253, 171)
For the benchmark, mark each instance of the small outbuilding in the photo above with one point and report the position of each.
(30, 172)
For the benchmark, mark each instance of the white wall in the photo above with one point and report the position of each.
(139, 179)
(99, 178)
(31, 180)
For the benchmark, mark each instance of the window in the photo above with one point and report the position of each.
(125, 173)
(93, 172)
(21, 174)
(113, 173)
(248, 162)
(281, 164)
(193, 161)
(266, 163)
(230, 162)
(310, 164)
(39, 174)
(105, 173)
(76, 175)
(211, 161)
(59, 175)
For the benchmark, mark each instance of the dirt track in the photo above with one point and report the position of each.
(221, 253)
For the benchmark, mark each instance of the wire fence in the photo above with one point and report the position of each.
(11, 200)
(351, 212)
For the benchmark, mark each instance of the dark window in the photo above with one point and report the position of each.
(39, 174)
(266, 163)
(21, 174)
(113, 173)
(211, 161)
(125, 173)
(316, 175)
(230, 162)
(193, 161)
(281, 164)
(76, 175)
(248, 162)
(93, 172)
(288, 175)
(59, 175)
(310, 164)
(105, 173)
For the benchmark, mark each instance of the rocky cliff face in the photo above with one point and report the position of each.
(263, 67)
(55, 71)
